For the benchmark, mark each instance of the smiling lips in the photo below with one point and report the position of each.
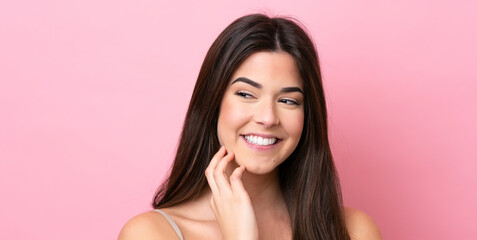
(259, 140)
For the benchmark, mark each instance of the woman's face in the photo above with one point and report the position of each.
(261, 115)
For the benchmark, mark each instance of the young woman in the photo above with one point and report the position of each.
(254, 160)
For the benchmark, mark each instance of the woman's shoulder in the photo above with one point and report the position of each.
(361, 226)
(148, 225)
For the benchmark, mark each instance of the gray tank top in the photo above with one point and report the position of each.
(173, 224)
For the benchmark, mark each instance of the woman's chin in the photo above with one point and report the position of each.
(255, 168)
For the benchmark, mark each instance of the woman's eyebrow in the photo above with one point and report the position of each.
(248, 81)
(292, 89)
(259, 86)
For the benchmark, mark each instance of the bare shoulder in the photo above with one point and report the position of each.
(147, 226)
(360, 226)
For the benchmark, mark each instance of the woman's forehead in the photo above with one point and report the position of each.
(268, 67)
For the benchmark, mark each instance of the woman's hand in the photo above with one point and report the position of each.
(230, 202)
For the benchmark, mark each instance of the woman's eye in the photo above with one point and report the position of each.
(244, 94)
(289, 101)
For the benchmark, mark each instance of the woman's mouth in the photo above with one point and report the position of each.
(260, 141)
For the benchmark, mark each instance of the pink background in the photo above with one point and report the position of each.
(93, 95)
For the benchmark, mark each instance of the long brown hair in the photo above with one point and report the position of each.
(308, 178)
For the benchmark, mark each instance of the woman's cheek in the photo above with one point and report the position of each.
(293, 124)
(231, 119)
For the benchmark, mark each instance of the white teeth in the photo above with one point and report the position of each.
(260, 141)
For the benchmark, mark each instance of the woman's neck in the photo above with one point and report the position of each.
(268, 203)
(263, 190)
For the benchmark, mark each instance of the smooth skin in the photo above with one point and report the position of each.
(264, 97)
(244, 200)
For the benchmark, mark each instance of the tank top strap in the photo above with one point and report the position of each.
(171, 221)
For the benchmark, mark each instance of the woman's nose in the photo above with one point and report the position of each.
(265, 114)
